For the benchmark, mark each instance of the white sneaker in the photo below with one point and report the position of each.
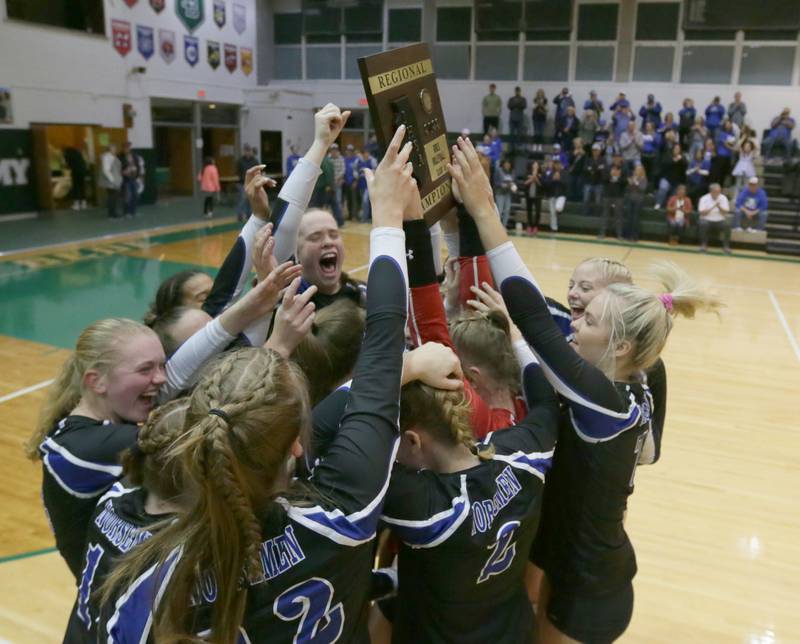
(656, 207)
(738, 229)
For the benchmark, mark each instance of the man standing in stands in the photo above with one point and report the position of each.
(651, 112)
(594, 104)
(562, 102)
(781, 132)
(247, 161)
(714, 115)
(517, 105)
(131, 165)
(491, 106)
(631, 143)
(751, 207)
(737, 110)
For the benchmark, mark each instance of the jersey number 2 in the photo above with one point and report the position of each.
(503, 551)
(310, 602)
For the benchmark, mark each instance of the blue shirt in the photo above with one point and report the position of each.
(722, 149)
(753, 201)
(688, 115)
(695, 178)
(621, 120)
(714, 115)
(623, 102)
(496, 150)
(291, 162)
(362, 163)
(651, 114)
(349, 168)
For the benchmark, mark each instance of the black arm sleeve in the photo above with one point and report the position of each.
(469, 240)
(657, 382)
(226, 280)
(419, 253)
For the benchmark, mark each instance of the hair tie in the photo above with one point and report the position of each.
(221, 414)
(666, 300)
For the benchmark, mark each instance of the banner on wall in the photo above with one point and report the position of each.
(166, 44)
(17, 192)
(230, 57)
(145, 41)
(157, 5)
(190, 12)
(219, 13)
(246, 55)
(121, 36)
(130, 3)
(212, 50)
(191, 49)
(239, 17)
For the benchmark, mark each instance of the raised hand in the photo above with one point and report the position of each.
(328, 124)
(264, 261)
(435, 365)
(474, 188)
(488, 299)
(293, 320)
(452, 281)
(255, 185)
(391, 187)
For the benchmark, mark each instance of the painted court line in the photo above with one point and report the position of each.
(784, 324)
(357, 269)
(26, 390)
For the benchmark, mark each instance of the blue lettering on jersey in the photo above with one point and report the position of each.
(280, 554)
(484, 512)
(94, 554)
(122, 534)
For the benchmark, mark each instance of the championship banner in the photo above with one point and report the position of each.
(231, 59)
(130, 3)
(190, 13)
(239, 17)
(219, 13)
(166, 44)
(145, 41)
(247, 60)
(157, 5)
(191, 50)
(401, 89)
(121, 36)
(212, 50)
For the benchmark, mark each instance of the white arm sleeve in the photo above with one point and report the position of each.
(295, 195)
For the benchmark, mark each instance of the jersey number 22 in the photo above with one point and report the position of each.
(310, 602)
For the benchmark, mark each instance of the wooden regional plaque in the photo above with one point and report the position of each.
(401, 89)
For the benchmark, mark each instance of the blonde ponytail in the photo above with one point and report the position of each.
(686, 294)
(96, 348)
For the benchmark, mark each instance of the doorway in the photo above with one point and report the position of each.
(174, 167)
(270, 152)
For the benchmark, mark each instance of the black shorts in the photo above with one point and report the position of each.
(591, 620)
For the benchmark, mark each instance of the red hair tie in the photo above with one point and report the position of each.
(666, 300)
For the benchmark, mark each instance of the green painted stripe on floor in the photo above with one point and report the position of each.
(26, 555)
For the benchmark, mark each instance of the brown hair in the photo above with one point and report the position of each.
(328, 354)
(443, 414)
(243, 417)
(96, 348)
(484, 340)
(162, 326)
(169, 296)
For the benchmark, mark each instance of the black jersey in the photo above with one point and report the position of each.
(316, 557)
(581, 544)
(118, 524)
(80, 461)
(466, 535)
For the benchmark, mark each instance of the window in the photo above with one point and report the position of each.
(453, 24)
(364, 20)
(405, 25)
(546, 63)
(86, 16)
(287, 63)
(767, 65)
(595, 63)
(321, 19)
(653, 64)
(657, 20)
(497, 16)
(288, 28)
(451, 61)
(769, 34)
(496, 62)
(548, 15)
(219, 114)
(707, 64)
(597, 21)
(352, 53)
(323, 62)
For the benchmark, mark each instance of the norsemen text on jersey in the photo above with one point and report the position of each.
(394, 77)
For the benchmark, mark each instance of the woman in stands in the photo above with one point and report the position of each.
(255, 557)
(582, 546)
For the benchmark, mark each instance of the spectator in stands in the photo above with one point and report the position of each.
(673, 173)
(366, 160)
(679, 208)
(594, 104)
(620, 102)
(517, 105)
(601, 136)
(291, 160)
(622, 116)
(576, 170)
(714, 115)
(569, 129)
(780, 133)
(351, 196)
(686, 119)
(631, 144)
(748, 134)
(697, 176)
(372, 146)
(726, 146)
(594, 173)
(698, 135)
(539, 115)
(561, 154)
(651, 145)
(533, 197)
(669, 124)
(737, 110)
(504, 187)
(246, 161)
(495, 147)
(745, 166)
(485, 146)
(563, 101)
(588, 128)
(709, 149)
(713, 210)
(612, 148)
(491, 106)
(338, 180)
(651, 112)
(751, 207)
(613, 196)
(553, 180)
(634, 199)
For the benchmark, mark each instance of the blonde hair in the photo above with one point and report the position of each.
(242, 419)
(610, 271)
(484, 340)
(97, 348)
(443, 414)
(645, 319)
